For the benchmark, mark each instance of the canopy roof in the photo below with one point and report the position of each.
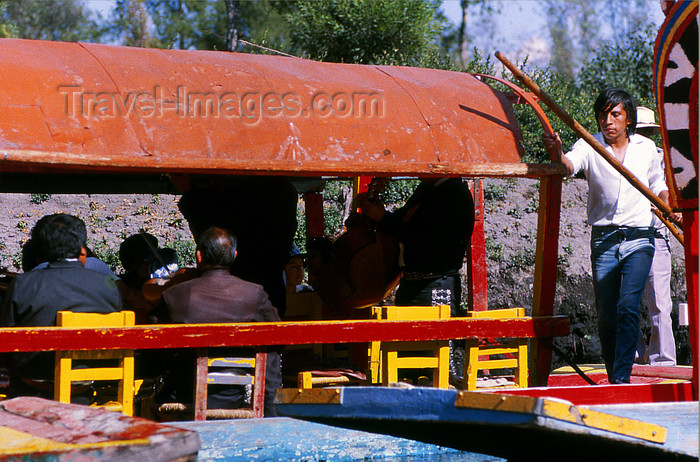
(75, 107)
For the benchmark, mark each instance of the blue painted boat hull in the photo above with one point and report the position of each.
(285, 439)
(430, 415)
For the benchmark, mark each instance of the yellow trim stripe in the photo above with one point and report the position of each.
(15, 442)
(564, 411)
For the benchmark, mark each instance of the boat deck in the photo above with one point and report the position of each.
(288, 439)
(36, 429)
(509, 426)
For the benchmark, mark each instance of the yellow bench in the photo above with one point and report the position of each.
(515, 347)
(65, 374)
(385, 361)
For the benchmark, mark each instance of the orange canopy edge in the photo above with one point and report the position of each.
(78, 107)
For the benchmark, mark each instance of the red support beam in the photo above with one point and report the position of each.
(545, 280)
(476, 253)
(259, 390)
(611, 394)
(690, 233)
(269, 333)
(315, 225)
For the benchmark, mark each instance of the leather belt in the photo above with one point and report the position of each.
(417, 276)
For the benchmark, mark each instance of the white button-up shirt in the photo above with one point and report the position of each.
(612, 200)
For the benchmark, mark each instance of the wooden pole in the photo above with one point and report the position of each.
(583, 133)
(671, 227)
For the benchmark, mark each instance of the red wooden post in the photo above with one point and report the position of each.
(259, 385)
(315, 225)
(362, 184)
(476, 253)
(200, 385)
(357, 352)
(690, 233)
(545, 281)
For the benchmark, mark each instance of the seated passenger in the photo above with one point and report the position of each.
(137, 254)
(34, 297)
(31, 260)
(217, 296)
(142, 260)
(294, 272)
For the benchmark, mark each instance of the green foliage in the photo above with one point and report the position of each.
(7, 27)
(480, 64)
(175, 24)
(198, 24)
(515, 212)
(627, 66)
(398, 32)
(495, 191)
(524, 259)
(17, 260)
(97, 222)
(577, 102)
(105, 252)
(563, 262)
(62, 20)
(569, 249)
(494, 249)
(39, 198)
(533, 204)
(397, 192)
(185, 249)
(336, 194)
(300, 235)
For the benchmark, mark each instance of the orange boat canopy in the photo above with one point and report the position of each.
(76, 107)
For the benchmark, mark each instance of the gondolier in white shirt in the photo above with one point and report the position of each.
(622, 236)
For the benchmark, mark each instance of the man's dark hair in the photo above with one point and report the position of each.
(134, 249)
(29, 256)
(611, 97)
(217, 246)
(59, 236)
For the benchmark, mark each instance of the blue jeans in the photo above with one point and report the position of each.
(621, 258)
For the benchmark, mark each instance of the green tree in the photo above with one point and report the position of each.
(401, 32)
(562, 50)
(61, 20)
(7, 28)
(200, 24)
(627, 65)
(130, 24)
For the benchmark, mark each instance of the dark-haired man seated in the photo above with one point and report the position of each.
(34, 297)
(217, 297)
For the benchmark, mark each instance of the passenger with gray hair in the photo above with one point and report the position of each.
(216, 296)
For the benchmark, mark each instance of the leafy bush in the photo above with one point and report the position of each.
(39, 198)
(495, 191)
(397, 192)
(398, 32)
(336, 194)
(494, 249)
(108, 254)
(524, 259)
(185, 249)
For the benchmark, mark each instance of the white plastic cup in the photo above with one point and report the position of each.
(682, 314)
